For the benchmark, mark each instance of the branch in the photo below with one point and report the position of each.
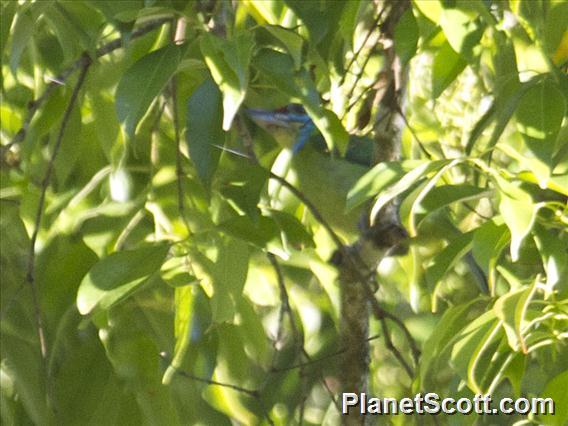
(80, 63)
(30, 275)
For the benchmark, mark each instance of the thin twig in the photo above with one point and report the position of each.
(36, 104)
(413, 133)
(318, 360)
(30, 275)
(393, 349)
(356, 54)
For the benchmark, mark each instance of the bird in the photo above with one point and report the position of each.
(290, 117)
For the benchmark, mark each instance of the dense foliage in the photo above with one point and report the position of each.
(156, 270)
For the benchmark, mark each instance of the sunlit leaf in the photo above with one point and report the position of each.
(378, 178)
(117, 276)
(142, 83)
(228, 62)
(518, 211)
(446, 67)
(511, 309)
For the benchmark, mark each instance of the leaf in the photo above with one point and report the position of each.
(470, 345)
(291, 40)
(554, 259)
(463, 31)
(405, 183)
(447, 258)
(436, 347)
(183, 324)
(446, 67)
(441, 196)
(378, 178)
(511, 309)
(518, 211)
(294, 234)
(258, 234)
(143, 82)
(488, 242)
(23, 30)
(228, 62)
(556, 390)
(230, 274)
(539, 115)
(204, 129)
(320, 17)
(117, 276)
(432, 9)
(7, 13)
(406, 35)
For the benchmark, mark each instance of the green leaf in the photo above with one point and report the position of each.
(117, 276)
(446, 67)
(539, 116)
(294, 234)
(23, 29)
(291, 40)
(554, 258)
(406, 35)
(7, 13)
(377, 179)
(204, 129)
(230, 274)
(143, 82)
(406, 182)
(258, 233)
(441, 196)
(447, 258)
(518, 211)
(320, 17)
(183, 324)
(470, 346)
(488, 242)
(228, 62)
(511, 308)
(463, 31)
(436, 347)
(556, 390)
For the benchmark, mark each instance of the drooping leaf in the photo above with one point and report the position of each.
(376, 179)
(554, 259)
(444, 195)
(511, 308)
(556, 390)
(405, 182)
(447, 258)
(518, 211)
(228, 62)
(143, 82)
(117, 276)
(463, 30)
(204, 129)
(406, 36)
(21, 36)
(446, 67)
